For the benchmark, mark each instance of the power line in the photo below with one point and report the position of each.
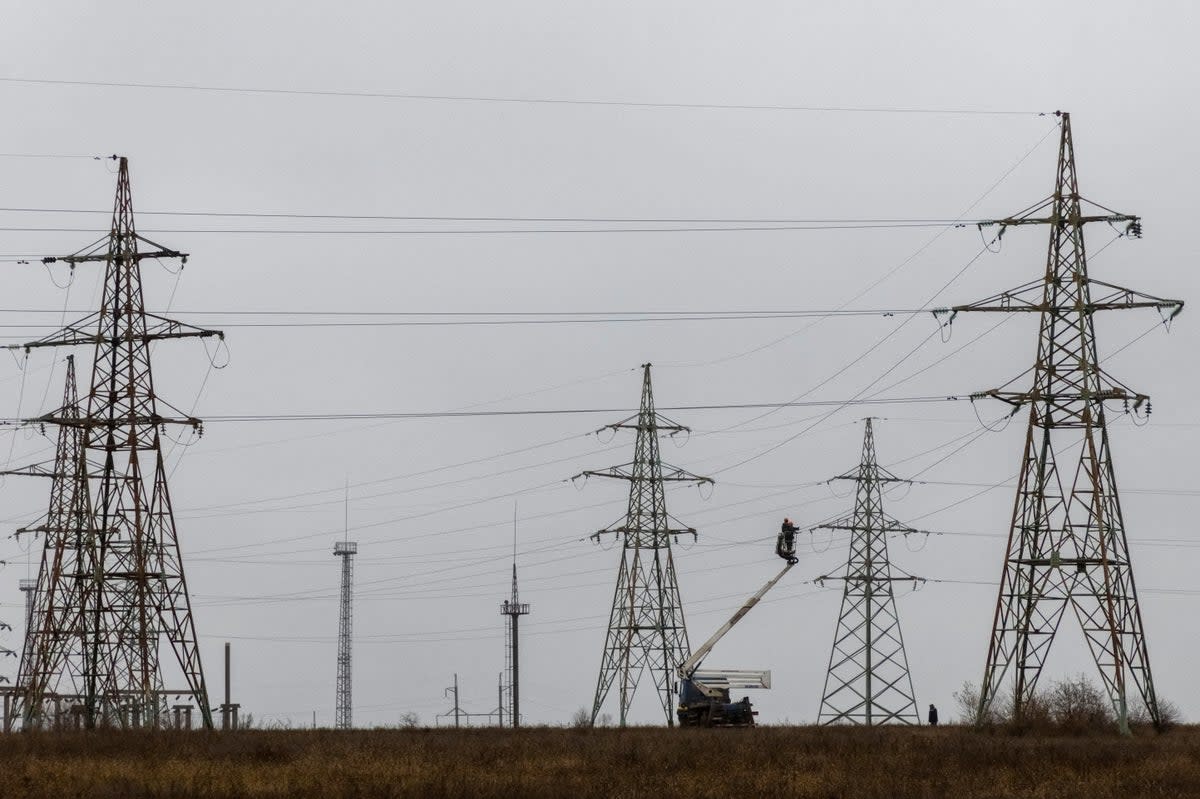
(733, 228)
(348, 313)
(382, 95)
(510, 321)
(397, 415)
(311, 417)
(555, 219)
(50, 155)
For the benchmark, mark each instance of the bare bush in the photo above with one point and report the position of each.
(1169, 714)
(966, 700)
(1076, 704)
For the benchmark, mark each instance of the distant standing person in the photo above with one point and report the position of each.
(932, 716)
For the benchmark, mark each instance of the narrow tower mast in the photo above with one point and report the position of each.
(1067, 545)
(646, 629)
(346, 550)
(514, 609)
(28, 587)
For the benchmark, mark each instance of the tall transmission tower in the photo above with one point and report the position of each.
(646, 628)
(346, 550)
(513, 609)
(53, 656)
(1067, 545)
(868, 681)
(132, 603)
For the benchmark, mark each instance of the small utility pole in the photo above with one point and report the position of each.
(457, 710)
(229, 711)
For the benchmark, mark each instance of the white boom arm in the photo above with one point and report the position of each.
(731, 679)
(689, 666)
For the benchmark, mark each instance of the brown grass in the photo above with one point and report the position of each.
(579, 764)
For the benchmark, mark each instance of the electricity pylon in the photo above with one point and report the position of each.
(868, 681)
(646, 628)
(132, 602)
(1067, 545)
(54, 654)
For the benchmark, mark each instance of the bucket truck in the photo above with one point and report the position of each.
(704, 693)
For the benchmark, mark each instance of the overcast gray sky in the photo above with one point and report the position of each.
(259, 504)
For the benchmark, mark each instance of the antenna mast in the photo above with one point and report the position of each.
(514, 609)
(346, 550)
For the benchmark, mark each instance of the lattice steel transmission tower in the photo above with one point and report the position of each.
(646, 628)
(512, 608)
(346, 550)
(868, 681)
(131, 601)
(53, 656)
(1067, 545)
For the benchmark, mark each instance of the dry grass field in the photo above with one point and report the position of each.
(558, 762)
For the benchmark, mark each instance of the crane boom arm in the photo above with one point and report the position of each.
(689, 666)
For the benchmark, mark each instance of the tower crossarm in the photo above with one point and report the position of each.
(874, 578)
(656, 537)
(1082, 219)
(1065, 400)
(1032, 298)
(88, 255)
(33, 470)
(45, 526)
(89, 422)
(884, 476)
(86, 331)
(1049, 211)
(628, 471)
(880, 523)
(655, 421)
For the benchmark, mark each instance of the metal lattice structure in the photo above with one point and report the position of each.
(343, 714)
(646, 629)
(53, 657)
(868, 682)
(29, 589)
(1067, 546)
(112, 526)
(510, 692)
